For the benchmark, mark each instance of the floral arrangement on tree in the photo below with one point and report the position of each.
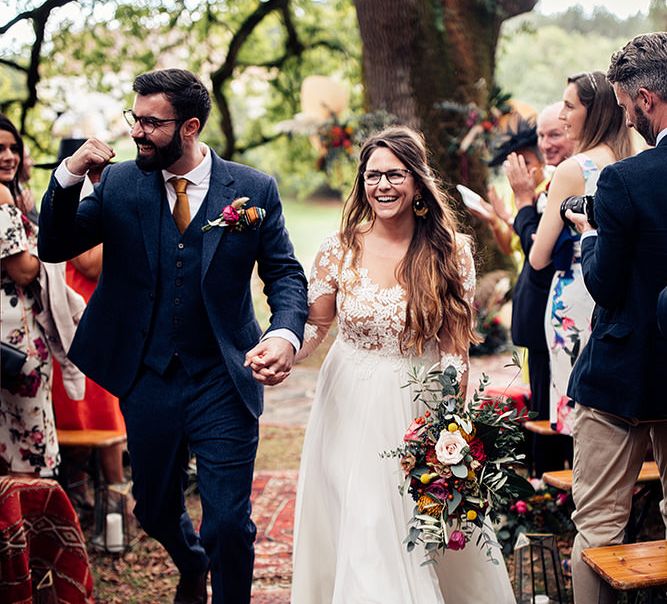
(459, 461)
(548, 510)
(481, 126)
(336, 140)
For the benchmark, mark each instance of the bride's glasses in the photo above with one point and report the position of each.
(394, 177)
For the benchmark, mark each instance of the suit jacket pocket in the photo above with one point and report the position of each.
(614, 331)
(248, 336)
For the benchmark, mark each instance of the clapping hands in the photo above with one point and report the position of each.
(521, 179)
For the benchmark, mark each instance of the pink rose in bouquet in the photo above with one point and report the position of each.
(449, 448)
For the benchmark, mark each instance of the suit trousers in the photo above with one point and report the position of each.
(608, 454)
(168, 417)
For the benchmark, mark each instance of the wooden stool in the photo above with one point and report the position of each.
(633, 566)
(95, 440)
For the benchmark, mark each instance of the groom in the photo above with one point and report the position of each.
(171, 328)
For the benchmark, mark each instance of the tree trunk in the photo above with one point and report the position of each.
(419, 53)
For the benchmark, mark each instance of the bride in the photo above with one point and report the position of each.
(400, 281)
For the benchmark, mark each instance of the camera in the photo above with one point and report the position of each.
(579, 204)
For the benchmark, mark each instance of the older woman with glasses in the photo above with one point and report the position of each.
(400, 281)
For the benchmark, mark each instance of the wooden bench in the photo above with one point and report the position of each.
(632, 566)
(562, 479)
(542, 427)
(96, 439)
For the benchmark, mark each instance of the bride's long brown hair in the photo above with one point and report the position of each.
(430, 271)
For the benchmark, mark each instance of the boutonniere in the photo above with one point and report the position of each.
(237, 217)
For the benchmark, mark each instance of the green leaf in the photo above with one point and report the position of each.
(459, 470)
(453, 503)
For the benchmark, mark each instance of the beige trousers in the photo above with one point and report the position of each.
(608, 454)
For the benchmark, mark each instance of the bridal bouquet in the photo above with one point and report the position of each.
(459, 462)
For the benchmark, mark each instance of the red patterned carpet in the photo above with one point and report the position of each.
(273, 499)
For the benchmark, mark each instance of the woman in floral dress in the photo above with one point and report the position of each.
(595, 122)
(28, 440)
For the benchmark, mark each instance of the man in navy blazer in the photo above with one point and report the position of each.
(618, 380)
(170, 328)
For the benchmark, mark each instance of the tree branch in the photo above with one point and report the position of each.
(35, 13)
(13, 65)
(512, 8)
(221, 75)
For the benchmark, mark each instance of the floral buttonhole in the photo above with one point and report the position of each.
(237, 217)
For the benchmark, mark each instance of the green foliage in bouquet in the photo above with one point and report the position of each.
(460, 462)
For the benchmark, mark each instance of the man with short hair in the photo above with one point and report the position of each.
(170, 328)
(551, 140)
(618, 380)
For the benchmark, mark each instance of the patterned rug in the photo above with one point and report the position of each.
(273, 497)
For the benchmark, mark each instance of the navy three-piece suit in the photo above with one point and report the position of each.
(167, 330)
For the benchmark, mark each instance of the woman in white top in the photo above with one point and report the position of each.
(595, 122)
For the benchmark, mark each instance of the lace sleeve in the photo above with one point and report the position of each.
(322, 288)
(449, 353)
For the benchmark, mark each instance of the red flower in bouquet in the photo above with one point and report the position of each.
(459, 460)
(477, 450)
(457, 540)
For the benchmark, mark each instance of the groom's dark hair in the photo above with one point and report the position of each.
(185, 91)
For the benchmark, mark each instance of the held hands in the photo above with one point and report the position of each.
(271, 360)
(93, 155)
(521, 179)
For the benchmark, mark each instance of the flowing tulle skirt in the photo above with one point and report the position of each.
(350, 519)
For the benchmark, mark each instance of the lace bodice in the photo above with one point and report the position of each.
(370, 317)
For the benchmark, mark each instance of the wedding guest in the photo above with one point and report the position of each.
(171, 328)
(28, 442)
(530, 295)
(618, 380)
(552, 141)
(497, 214)
(594, 121)
(399, 280)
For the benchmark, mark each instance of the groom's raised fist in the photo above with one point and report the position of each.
(93, 154)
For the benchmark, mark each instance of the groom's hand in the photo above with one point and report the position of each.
(271, 360)
(94, 155)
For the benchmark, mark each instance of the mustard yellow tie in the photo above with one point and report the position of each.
(182, 207)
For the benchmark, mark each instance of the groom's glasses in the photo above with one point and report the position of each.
(394, 177)
(147, 124)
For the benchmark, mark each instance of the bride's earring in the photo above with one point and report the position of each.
(418, 206)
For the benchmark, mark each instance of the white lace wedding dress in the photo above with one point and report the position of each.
(350, 518)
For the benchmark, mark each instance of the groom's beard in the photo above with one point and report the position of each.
(162, 157)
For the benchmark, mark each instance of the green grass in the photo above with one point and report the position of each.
(308, 224)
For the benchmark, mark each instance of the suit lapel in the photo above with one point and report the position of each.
(220, 194)
(149, 195)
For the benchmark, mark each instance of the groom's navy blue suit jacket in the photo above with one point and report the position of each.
(123, 212)
(622, 368)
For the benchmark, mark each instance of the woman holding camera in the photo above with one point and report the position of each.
(594, 121)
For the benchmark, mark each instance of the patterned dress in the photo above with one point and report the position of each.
(568, 320)
(28, 440)
(350, 518)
